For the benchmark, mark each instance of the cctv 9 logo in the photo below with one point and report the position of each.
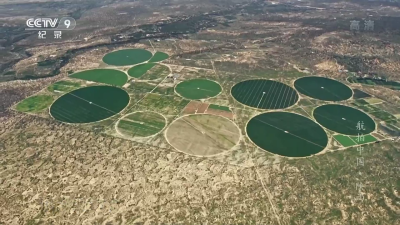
(65, 23)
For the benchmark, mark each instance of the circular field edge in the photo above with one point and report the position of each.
(312, 114)
(102, 59)
(222, 89)
(290, 157)
(333, 102)
(298, 99)
(123, 135)
(130, 99)
(204, 156)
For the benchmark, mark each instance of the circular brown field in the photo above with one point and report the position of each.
(202, 135)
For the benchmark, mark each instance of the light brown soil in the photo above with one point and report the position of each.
(202, 108)
(202, 135)
(226, 114)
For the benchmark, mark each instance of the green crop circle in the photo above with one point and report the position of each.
(343, 119)
(287, 134)
(89, 104)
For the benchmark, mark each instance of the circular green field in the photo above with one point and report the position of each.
(286, 134)
(89, 104)
(127, 57)
(35, 103)
(105, 76)
(343, 119)
(149, 71)
(141, 124)
(323, 88)
(159, 56)
(198, 89)
(264, 94)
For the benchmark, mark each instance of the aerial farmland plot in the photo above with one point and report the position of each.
(200, 112)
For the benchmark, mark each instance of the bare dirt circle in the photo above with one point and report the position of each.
(202, 135)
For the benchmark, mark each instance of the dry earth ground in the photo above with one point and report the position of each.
(202, 135)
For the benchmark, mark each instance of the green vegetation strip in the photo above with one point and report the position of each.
(35, 104)
(344, 140)
(323, 88)
(364, 139)
(159, 56)
(264, 94)
(287, 134)
(219, 107)
(370, 81)
(63, 86)
(89, 104)
(141, 124)
(343, 119)
(127, 57)
(140, 70)
(383, 115)
(105, 76)
(198, 89)
(348, 141)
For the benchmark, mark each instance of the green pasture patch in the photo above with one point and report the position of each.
(105, 76)
(35, 103)
(370, 82)
(127, 57)
(361, 102)
(156, 72)
(287, 134)
(219, 107)
(159, 56)
(348, 141)
(343, 119)
(198, 89)
(168, 105)
(164, 90)
(373, 100)
(344, 140)
(89, 104)
(360, 94)
(363, 139)
(366, 108)
(141, 124)
(63, 86)
(264, 94)
(383, 115)
(140, 70)
(323, 88)
(141, 87)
